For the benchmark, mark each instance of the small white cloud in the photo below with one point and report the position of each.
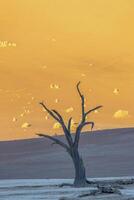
(22, 114)
(57, 86)
(44, 66)
(53, 40)
(25, 125)
(51, 85)
(9, 44)
(44, 110)
(27, 111)
(96, 111)
(56, 100)
(83, 75)
(56, 125)
(116, 91)
(14, 44)
(120, 114)
(46, 117)
(68, 110)
(14, 119)
(54, 86)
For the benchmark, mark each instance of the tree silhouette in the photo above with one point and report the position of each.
(73, 142)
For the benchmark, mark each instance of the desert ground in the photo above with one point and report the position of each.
(106, 153)
(49, 189)
(33, 168)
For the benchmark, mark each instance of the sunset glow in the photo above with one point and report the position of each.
(47, 46)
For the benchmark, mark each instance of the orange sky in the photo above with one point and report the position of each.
(62, 42)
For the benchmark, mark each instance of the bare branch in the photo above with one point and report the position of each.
(53, 143)
(59, 118)
(66, 131)
(82, 101)
(55, 140)
(78, 89)
(87, 123)
(78, 131)
(69, 124)
(49, 111)
(84, 115)
(93, 109)
(58, 115)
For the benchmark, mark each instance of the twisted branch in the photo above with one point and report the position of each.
(55, 114)
(55, 140)
(82, 101)
(84, 115)
(93, 109)
(69, 124)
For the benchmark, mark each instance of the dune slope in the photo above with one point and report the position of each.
(106, 153)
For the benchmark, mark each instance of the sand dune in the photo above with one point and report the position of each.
(106, 153)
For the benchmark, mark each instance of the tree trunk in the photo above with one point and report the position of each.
(80, 173)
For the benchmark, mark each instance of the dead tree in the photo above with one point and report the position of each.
(73, 142)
